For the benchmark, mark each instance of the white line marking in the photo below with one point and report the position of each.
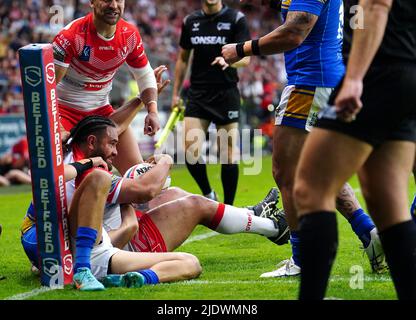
(201, 237)
(280, 280)
(35, 292)
(27, 295)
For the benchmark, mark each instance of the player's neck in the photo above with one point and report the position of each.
(209, 10)
(104, 29)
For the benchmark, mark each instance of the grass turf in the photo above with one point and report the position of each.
(231, 263)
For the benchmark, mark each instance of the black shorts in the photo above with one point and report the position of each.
(389, 107)
(221, 106)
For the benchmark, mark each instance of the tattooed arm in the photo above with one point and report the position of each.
(288, 36)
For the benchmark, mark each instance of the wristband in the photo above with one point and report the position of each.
(255, 49)
(81, 167)
(151, 102)
(240, 49)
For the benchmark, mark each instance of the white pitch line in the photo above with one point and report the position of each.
(27, 295)
(201, 237)
(278, 280)
(35, 292)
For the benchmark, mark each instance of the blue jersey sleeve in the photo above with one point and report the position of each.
(311, 6)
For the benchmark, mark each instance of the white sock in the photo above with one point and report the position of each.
(237, 220)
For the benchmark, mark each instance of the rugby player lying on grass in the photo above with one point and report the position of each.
(172, 217)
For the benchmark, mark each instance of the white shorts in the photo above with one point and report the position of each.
(299, 106)
(100, 255)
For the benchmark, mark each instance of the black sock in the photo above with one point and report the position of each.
(229, 178)
(399, 244)
(318, 233)
(199, 172)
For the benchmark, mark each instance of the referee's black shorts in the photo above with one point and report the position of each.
(389, 106)
(218, 105)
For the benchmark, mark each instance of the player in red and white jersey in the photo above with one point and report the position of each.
(87, 53)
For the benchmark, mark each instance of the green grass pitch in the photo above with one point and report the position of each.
(231, 263)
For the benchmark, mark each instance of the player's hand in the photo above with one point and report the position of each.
(158, 74)
(220, 62)
(163, 159)
(96, 162)
(175, 101)
(151, 124)
(348, 101)
(229, 53)
(151, 160)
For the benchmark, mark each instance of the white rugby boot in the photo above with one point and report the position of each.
(286, 268)
(375, 253)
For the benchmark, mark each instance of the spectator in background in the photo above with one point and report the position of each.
(14, 166)
(30, 21)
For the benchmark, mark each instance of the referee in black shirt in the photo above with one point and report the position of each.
(213, 95)
(371, 129)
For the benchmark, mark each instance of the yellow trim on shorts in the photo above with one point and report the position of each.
(299, 105)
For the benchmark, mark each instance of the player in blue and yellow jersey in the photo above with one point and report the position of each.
(311, 38)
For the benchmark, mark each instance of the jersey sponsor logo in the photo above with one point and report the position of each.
(232, 114)
(196, 26)
(210, 40)
(64, 43)
(94, 86)
(32, 75)
(223, 26)
(106, 48)
(85, 54)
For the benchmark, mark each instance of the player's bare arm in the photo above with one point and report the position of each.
(124, 115)
(147, 186)
(71, 171)
(180, 72)
(288, 36)
(128, 228)
(365, 44)
(59, 73)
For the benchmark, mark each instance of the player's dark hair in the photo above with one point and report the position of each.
(94, 124)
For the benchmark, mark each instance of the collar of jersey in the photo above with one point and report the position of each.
(224, 7)
(94, 29)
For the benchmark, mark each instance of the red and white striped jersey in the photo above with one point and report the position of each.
(116, 181)
(92, 61)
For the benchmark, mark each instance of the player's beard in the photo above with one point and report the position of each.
(110, 17)
(99, 153)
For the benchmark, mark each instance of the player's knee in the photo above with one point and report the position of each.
(191, 266)
(302, 194)
(195, 200)
(176, 192)
(283, 179)
(98, 180)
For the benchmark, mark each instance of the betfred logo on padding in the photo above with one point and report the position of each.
(33, 76)
(50, 73)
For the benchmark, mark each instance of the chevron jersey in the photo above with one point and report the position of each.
(318, 60)
(93, 60)
(70, 186)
